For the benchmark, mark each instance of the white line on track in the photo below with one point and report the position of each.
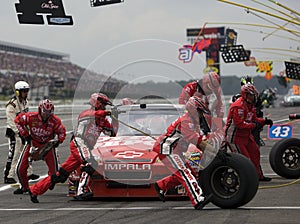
(145, 208)
(6, 187)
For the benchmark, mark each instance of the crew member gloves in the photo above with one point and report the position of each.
(268, 122)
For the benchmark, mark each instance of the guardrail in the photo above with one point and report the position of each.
(59, 109)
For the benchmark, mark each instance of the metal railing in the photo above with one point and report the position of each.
(59, 109)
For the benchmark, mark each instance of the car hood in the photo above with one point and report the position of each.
(125, 149)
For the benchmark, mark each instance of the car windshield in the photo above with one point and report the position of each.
(146, 122)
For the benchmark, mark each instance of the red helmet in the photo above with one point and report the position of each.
(127, 101)
(210, 81)
(248, 88)
(195, 105)
(46, 106)
(99, 99)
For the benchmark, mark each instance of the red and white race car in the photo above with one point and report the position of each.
(127, 166)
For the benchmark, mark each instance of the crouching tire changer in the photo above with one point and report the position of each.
(183, 131)
(91, 123)
(227, 180)
(39, 129)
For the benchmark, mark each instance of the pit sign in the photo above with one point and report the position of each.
(280, 131)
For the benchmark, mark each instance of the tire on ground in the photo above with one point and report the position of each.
(233, 184)
(284, 158)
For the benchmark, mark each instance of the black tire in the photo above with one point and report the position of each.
(233, 183)
(284, 158)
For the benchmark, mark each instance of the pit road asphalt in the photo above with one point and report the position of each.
(273, 203)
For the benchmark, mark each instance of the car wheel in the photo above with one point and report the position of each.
(285, 158)
(233, 183)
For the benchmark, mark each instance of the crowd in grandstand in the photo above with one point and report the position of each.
(43, 68)
(42, 71)
(36, 70)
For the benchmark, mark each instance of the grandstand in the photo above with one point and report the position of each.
(52, 74)
(49, 73)
(31, 51)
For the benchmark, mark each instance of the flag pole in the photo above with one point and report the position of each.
(295, 18)
(269, 21)
(262, 32)
(197, 38)
(261, 11)
(253, 24)
(285, 7)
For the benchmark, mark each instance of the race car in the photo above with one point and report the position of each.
(290, 99)
(127, 166)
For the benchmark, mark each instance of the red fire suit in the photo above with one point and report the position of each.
(241, 120)
(170, 147)
(91, 124)
(193, 88)
(31, 123)
(188, 90)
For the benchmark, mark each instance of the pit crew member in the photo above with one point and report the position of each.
(170, 146)
(16, 105)
(91, 123)
(241, 121)
(38, 128)
(210, 88)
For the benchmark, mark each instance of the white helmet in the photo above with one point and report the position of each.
(22, 85)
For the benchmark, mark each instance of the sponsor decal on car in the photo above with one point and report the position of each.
(129, 154)
(126, 166)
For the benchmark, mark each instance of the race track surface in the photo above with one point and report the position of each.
(277, 201)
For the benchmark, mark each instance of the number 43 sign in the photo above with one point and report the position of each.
(279, 131)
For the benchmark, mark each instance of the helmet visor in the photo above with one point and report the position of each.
(46, 112)
(25, 90)
(104, 102)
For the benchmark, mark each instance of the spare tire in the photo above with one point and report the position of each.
(284, 158)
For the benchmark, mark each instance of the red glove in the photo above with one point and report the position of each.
(102, 113)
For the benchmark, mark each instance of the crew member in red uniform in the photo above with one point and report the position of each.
(91, 123)
(241, 120)
(38, 128)
(210, 88)
(170, 146)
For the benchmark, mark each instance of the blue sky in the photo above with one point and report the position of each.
(121, 37)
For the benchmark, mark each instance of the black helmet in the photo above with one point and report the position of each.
(246, 79)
